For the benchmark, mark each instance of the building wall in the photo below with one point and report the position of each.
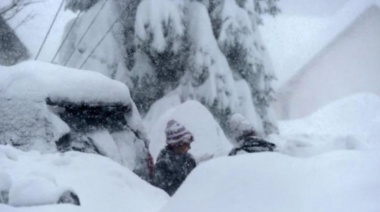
(349, 65)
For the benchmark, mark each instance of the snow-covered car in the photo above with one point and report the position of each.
(51, 108)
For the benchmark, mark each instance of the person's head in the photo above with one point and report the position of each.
(240, 127)
(178, 137)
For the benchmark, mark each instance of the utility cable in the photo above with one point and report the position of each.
(67, 35)
(85, 33)
(100, 41)
(48, 32)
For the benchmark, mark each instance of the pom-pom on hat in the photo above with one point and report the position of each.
(177, 133)
(240, 127)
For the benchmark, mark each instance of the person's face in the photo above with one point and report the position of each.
(182, 148)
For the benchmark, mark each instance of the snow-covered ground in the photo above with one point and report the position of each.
(100, 183)
(338, 181)
(326, 162)
(349, 123)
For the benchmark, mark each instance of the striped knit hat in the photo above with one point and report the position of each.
(177, 133)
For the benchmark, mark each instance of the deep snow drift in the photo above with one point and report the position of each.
(100, 183)
(349, 123)
(340, 181)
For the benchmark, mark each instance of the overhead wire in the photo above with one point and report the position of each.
(100, 41)
(66, 37)
(48, 32)
(85, 33)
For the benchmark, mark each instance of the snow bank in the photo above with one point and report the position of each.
(39, 80)
(209, 138)
(100, 183)
(159, 107)
(349, 123)
(339, 181)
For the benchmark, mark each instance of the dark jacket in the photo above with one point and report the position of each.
(171, 169)
(253, 144)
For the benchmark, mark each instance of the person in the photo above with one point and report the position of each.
(245, 138)
(174, 163)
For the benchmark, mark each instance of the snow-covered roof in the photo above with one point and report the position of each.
(293, 40)
(340, 31)
(40, 80)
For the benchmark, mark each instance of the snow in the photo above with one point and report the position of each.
(293, 38)
(30, 124)
(100, 183)
(86, 41)
(246, 106)
(340, 67)
(40, 80)
(352, 115)
(5, 181)
(209, 138)
(23, 192)
(325, 162)
(33, 32)
(160, 107)
(347, 124)
(207, 61)
(154, 18)
(106, 145)
(339, 181)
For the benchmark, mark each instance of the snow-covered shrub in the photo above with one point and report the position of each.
(48, 108)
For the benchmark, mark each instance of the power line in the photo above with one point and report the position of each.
(100, 41)
(85, 33)
(48, 32)
(67, 35)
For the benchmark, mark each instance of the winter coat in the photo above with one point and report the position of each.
(253, 144)
(171, 169)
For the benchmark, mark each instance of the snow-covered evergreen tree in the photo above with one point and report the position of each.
(208, 77)
(241, 43)
(160, 56)
(196, 49)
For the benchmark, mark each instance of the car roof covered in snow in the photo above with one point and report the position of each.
(41, 81)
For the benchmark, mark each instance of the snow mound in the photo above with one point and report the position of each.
(100, 183)
(159, 107)
(38, 81)
(349, 116)
(340, 181)
(209, 138)
(373, 134)
(349, 123)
